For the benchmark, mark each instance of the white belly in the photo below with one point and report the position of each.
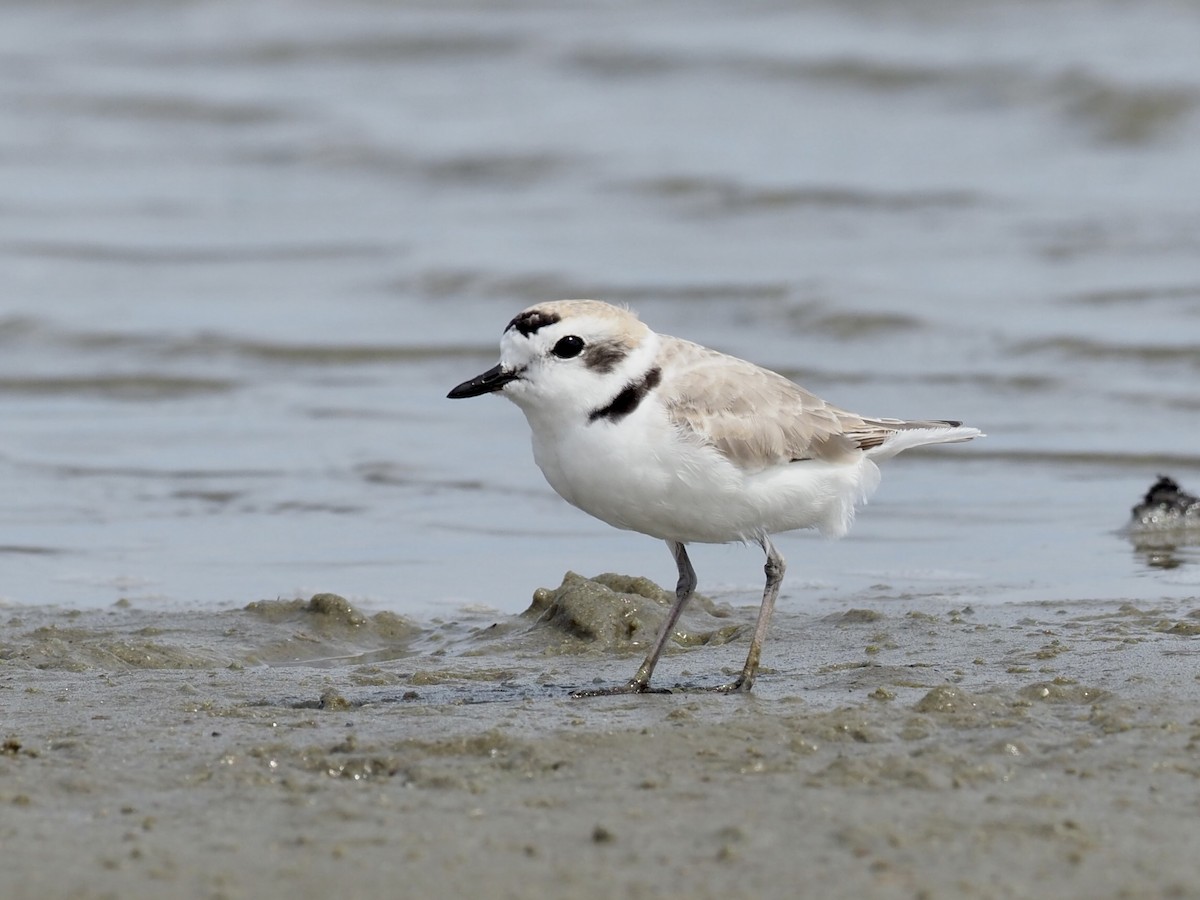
(639, 474)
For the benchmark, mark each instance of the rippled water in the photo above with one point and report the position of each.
(248, 247)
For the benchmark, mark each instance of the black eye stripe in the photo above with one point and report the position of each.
(604, 356)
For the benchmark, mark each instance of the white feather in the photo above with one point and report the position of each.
(717, 450)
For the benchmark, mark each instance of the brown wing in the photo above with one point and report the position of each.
(754, 416)
(757, 417)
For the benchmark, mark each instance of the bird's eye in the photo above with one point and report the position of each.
(567, 347)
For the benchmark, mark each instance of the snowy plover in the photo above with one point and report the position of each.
(659, 435)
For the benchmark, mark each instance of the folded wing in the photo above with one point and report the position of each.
(758, 418)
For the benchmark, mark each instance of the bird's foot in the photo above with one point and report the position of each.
(740, 686)
(633, 687)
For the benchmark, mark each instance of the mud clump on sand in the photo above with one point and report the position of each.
(330, 613)
(328, 627)
(321, 630)
(623, 612)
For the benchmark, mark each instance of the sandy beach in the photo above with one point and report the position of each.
(905, 747)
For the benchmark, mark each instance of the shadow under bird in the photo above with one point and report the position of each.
(662, 436)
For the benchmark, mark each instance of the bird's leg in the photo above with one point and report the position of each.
(774, 569)
(640, 683)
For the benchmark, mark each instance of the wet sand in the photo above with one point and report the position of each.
(900, 747)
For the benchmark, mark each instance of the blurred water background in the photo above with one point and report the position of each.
(248, 247)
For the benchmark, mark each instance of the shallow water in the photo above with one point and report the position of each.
(248, 249)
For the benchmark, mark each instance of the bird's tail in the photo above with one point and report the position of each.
(904, 435)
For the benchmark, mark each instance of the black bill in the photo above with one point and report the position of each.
(487, 383)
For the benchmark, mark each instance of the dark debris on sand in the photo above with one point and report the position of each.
(1166, 506)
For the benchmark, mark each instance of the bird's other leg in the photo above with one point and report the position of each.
(774, 569)
(640, 683)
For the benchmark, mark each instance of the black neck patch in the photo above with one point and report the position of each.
(531, 320)
(629, 399)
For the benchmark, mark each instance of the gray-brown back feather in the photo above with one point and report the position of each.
(757, 417)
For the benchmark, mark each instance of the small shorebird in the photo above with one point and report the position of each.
(659, 435)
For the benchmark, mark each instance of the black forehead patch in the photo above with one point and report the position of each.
(604, 356)
(531, 320)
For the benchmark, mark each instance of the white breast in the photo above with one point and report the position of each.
(641, 474)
